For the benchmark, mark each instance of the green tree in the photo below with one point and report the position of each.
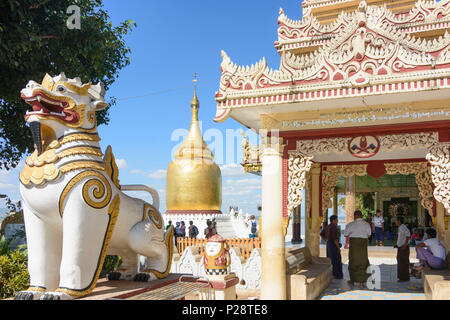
(34, 40)
(365, 203)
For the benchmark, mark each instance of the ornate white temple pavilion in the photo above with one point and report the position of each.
(363, 89)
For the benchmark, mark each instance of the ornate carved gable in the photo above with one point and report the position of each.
(368, 50)
(424, 16)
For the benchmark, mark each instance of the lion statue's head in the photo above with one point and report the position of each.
(60, 104)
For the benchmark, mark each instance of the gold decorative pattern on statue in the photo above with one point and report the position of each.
(80, 150)
(330, 175)
(113, 213)
(76, 165)
(422, 174)
(36, 288)
(169, 246)
(35, 160)
(75, 137)
(96, 183)
(101, 191)
(153, 215)
(38, 175)
(111, 167)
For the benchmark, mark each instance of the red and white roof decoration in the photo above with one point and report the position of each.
(368, 54)
(424, 16)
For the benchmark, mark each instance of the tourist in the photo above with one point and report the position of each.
(177, 232)
(182, 229)
(331, 236)
(431, 252)
(378, 223)
(193, 230)
(357, 234)
(252, 228)
(430, 223)
(403, 236)
(214, 224)
(169, 225)
(209, 231)
(415, 237)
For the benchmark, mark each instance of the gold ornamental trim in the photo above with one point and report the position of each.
(169, 246)
(36, 288)
(153, 215)
(38, 175)
(112, 170)
(113, 213)
(80, 150)
(82, 165)
(99, 192)
(88, 136)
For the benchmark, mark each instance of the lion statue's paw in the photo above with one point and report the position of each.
(144, 277)
(56, 296)
(28, 295)
(115, 275)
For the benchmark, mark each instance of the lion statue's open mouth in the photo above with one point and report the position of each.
(45, 106)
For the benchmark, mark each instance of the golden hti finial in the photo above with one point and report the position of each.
(194, 102)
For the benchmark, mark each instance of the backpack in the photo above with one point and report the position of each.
(253, 229)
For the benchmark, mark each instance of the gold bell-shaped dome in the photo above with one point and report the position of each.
(194, 181)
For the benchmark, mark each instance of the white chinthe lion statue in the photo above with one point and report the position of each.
(74, 208)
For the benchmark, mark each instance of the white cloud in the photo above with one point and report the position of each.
(158, 174)
(232, 170)
(7, 186)
(242, 187)
(137, 171)
(121, 164)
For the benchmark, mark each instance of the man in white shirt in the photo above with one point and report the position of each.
(433, 255)
(357, 234)
(378, 222)
(402, 250)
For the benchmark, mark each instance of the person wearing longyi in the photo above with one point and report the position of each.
(356, 235)
(402, 250)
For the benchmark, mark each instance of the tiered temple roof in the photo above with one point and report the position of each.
(421, 19)
(368, 52)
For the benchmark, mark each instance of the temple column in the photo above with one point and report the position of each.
(350, 198)
(296, 225)
(312, 235)
(335, 202)
(375, 206)
(273, 272)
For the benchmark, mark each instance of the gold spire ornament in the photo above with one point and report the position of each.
(194, 181)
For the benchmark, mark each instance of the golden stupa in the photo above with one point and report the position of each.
(194, 181)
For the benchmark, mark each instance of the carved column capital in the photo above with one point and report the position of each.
(271, 146)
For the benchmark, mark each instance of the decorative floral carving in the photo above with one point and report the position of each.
(330, 176)
(423, 179)
(298, 167)
(439, 158)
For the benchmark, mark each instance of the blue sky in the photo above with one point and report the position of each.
(172, 41)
